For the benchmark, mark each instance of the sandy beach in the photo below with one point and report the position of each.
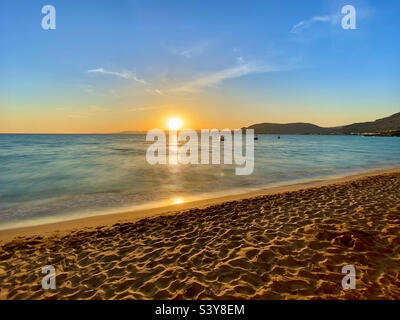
(282, 243)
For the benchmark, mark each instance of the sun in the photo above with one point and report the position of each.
(178, 201)
(174, 124)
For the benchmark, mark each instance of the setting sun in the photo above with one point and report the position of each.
(174, 123)
(178, 201)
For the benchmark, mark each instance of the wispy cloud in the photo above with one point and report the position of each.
(215, 78)
(307, 24)
(146, 108)
(190, 51)
(125, 74)
(157, 91)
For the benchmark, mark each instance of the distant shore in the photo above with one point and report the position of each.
(282, 243)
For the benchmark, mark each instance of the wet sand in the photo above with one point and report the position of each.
(282, 243)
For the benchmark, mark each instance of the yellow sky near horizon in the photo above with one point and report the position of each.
(105, 120)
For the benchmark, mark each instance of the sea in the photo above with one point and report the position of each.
(54, 177)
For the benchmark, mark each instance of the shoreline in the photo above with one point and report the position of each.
(66, 226)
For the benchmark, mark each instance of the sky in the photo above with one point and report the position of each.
(112, 66)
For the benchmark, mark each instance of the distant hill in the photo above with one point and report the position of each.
(289, 128)
(385, 126)
(391, 123)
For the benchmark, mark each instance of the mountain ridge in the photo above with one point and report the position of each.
(385, 126)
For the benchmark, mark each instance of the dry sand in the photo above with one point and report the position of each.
(285, 245)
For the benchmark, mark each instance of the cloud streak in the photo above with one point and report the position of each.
(124, 75)
(190, 51)
(146, 108)
(215, 78)
(307, 24)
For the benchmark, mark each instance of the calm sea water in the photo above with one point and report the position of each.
(47, 178)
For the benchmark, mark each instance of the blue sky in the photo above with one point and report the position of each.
(126, 65)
